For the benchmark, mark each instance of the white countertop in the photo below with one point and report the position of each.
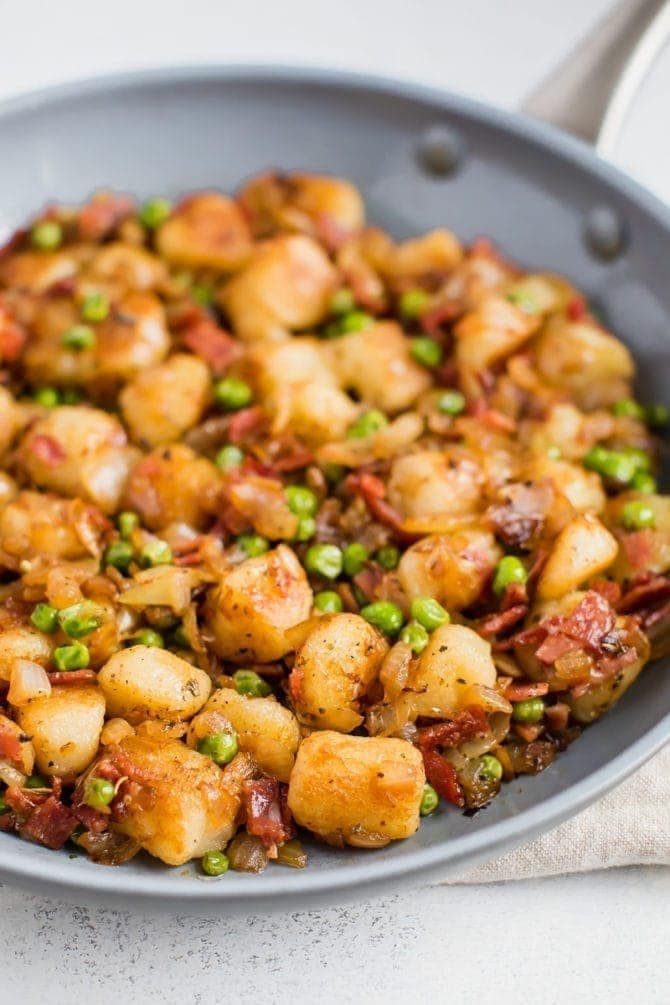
(595, 938)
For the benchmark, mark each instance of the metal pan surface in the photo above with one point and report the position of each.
(530, 188)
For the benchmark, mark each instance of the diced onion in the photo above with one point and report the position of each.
(28, 680)
(292, 854)
(247, 853)
(11, 775)
(162, 586)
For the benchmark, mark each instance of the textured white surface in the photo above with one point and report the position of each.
(600, 937)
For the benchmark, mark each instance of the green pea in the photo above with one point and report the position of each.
(221, 747)
(324, 560)
(644, 482)
(639, 457)
(451, 403)
(614, 464)
(628, 408)
(80, 619)
(301, 500)
(203, 295)
(74, 657)
(412, 303)
(95, 307)
(48, 397)
(367, 424)
(249, 682)
(384, 615)
(306, 528)
(232, 393)
(328, 601)
(657, 416)
(416, 637)
(78, 337)
(523, 301)
(155, 552)
(429, 613)
(490, 768)
(229, 457)
(155, 212)
(529, 711)
(388, 557)
(509, 570)
(214, 863)
(180, 638)
(429, 800)
(47, 235)
(70, 396)
(253, 544)
(342, 301)
(119, 554)
(355, 321)
(148, 637)
(127, 522)
(426, 351)
(36, 782)
(98, 793)
(354, 557)
(637, 514)
(45, 618)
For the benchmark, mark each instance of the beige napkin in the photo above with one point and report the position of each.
(628, 826)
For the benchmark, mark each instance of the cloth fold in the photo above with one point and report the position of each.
(628, 826)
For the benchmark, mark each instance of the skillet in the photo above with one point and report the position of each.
(422, 159)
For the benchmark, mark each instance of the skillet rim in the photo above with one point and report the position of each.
(157, 888)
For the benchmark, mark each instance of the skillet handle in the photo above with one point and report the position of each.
(589, 93)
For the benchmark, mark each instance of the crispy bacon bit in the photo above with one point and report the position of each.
(71, 676)
(294, 460)
(102, 214)
(50, 824)
(502, 621)
(373, 491)
(267, 812)
(442, 776)
(433, 321)
(211, 343)
(527, 731)
(608, 589)
(12, 335)
(521, 692)
(245, 422)
(554, 647)
(638, 547)
(468, 724)
(519, 518)
(479, 409)
(557, 717)
(10, 747)
(646, 592)
(576, 309)
(93, 820)
(24, 801)
(47, 449)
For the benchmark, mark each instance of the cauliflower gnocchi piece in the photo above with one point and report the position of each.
(583, 550)
(312, 204)
(22, 642)
(265, 729)
(79, 451)
(423, 258)
(38, 270)
(162, 402)
(286, 286)
(256, 603)
(495, 328)
(455, 661)
(186, 805)
(357, 790)
(452, 568)
(430, 484)
(128, 266)
(65, 728)
(582, 358)
(146, 682)
(377, 364)
(34, 525)
(333, 671)
(173, 485)
(206, 230)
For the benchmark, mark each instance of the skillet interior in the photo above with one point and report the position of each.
(526, 186)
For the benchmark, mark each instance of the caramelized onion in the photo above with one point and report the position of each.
(108, 848)
(394, 670)
(28, 680)
(291, 853)
(247, 853)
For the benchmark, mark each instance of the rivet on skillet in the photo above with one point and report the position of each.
(604, 233)
(440, 151)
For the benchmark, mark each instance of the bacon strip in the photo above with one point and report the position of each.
(500, 622)
(10, 747)
(71, 676)
(47, 449)
(212, 344)
(268, 815)
(373, 491)
(50, 824)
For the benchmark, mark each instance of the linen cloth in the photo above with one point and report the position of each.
(628, 826)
